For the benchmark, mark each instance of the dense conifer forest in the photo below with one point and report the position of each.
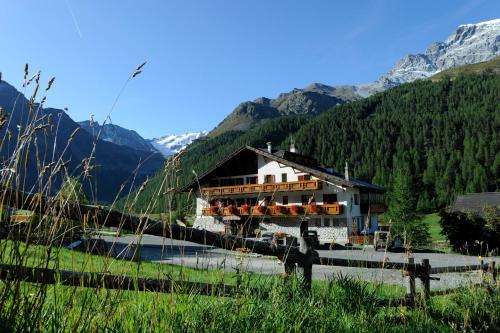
(446, 134)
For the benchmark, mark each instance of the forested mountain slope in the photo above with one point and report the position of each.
(446, 134)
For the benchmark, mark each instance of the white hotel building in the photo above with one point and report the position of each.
(262, 189)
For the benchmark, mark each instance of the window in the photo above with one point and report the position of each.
(304, 177)
(365, 198)
(251, 180)
(285, 200)
(252, 201)
(269, 179)
(284, 177)
(329, 198)
(269, 201)
(339, 222)
(326, 222)
(307, 199)
(356, 199)
(317, 222)
(227, 182)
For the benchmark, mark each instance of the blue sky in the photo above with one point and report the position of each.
(205, 57)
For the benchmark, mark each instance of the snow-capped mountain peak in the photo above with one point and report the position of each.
(172, 144)
(468, 44)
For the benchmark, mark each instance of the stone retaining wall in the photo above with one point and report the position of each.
(326, 235)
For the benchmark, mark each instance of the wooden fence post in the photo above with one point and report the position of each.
(425, 277)
(410, 287)
(493, 272)
(305, 262)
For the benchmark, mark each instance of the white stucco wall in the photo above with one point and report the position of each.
(269, 167)
(200, 204)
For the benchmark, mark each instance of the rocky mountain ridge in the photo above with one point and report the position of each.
(117, 135)
(468, 44)
(167, 145)
(111, 171)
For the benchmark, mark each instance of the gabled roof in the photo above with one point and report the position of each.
(291, 159)
(476, 202)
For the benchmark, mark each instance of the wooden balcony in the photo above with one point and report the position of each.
(304, 185)
(274, 211)
(332, 209)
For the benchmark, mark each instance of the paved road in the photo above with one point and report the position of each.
(193, 255)
(436, 259)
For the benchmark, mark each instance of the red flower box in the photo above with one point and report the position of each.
(245, 209)
(214, 210)
(261, 209)
(231, 209)
(295, 209)
(313, 208)
(279, 209)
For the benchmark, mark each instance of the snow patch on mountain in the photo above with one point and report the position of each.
(172, 144)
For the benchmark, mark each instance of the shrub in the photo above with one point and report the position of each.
(471, 233)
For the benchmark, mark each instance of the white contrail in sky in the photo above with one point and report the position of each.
(74, 19)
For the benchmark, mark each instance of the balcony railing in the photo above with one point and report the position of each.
(276, 211)
(262, 188)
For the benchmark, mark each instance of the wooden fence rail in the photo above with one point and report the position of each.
(108, 281)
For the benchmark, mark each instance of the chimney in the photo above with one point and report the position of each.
(270, 147)
(292, 146)
(346, 171)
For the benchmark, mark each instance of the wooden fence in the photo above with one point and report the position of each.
(295, 259)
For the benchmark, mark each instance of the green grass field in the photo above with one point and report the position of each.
(342, 304)
(432, 221)
(64, 259)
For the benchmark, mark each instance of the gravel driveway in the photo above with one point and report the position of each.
(158, 249)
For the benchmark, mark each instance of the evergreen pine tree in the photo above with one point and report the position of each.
(406, 223)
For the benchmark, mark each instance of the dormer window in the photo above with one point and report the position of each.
(284, 177)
